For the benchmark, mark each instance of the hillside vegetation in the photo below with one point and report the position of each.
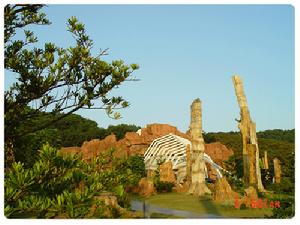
(278, 143)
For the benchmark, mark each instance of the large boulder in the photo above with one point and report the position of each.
(223, 193)
(218, 152)
(249, 196)
(181, 188)
(146, 187)
(251, 193)
(150, 174)
(133, 138)
(96, 147)
(166, 173)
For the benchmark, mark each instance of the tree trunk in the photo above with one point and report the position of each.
(252, 174)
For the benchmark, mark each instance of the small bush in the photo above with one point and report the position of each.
(286, 210)
(243, 206)
(163, 186)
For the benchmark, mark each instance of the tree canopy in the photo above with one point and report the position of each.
(54, 79)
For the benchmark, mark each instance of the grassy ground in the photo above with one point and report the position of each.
(193, 204)
(163, 216)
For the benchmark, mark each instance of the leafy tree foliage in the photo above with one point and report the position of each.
(27, 147)
(277, 134)
(57, 186)
(121, 129)
(161, 186)
(74, 130)
(52, 78)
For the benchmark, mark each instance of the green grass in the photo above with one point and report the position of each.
(193, 204)
(163, 216)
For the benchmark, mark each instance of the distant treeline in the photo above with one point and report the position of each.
(72, 130)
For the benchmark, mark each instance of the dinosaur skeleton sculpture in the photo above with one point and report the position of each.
(173, 148)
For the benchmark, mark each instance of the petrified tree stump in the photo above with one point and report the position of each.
(198, 186)
(188, 164)
(252, 174)
(266, 163)
(277, 170)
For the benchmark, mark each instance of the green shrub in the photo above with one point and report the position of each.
(286, 209)
(243, 206)
(57, 186)
(162, 186)
(285, 186)
(236, 183)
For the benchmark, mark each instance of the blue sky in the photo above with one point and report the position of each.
(191, 51)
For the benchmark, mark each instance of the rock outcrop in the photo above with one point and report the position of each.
(132, 144)
(223, 193)
(181, 188)
(145, 187)
(249, 197)
(218, 152)
(252, 173)
(166, 173)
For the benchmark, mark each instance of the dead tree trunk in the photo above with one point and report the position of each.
(198, 186)
(277, 170)
(252, 174)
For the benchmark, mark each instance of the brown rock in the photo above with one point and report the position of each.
(212, 173)
(108, 199)
(181, 188)
(223, 193)
(109, 202)
(146, 187)
(94, 147)
(156, 130)
(159, 129)
(166, 173)
(131, 144)
(218, 152)
(150, 173)
(250, 195)
(138, 149)
(133, 138)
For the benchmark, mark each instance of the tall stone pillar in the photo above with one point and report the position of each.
(266, 163)
(197, 186)
(277, 170)
(252, 174)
